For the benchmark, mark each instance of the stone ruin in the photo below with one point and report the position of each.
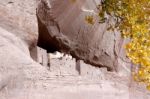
(64, 64)
(99, 68)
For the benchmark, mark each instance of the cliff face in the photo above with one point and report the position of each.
(19, 17)
(23, 78)
(62, 26)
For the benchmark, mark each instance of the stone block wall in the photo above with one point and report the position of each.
(64, 65)
(39, 55)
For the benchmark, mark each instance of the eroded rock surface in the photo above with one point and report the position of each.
(19, 17)
(23, 78)
(62, 27)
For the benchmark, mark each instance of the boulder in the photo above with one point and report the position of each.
(62, 27)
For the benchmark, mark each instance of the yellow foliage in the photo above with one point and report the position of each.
(73, 1)
(133, 17)
(89, 19)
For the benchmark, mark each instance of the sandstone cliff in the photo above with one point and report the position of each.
(23, 78)
(62, 27)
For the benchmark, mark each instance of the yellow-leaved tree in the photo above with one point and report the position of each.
(133, 21)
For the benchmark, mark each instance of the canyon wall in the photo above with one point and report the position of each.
(62, 27)
(21, 77)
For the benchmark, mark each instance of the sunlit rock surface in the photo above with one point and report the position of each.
(23, 78)
(19, 17)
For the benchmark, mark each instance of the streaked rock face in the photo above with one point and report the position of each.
(19, 17)
(23, 78)
(62, 26)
